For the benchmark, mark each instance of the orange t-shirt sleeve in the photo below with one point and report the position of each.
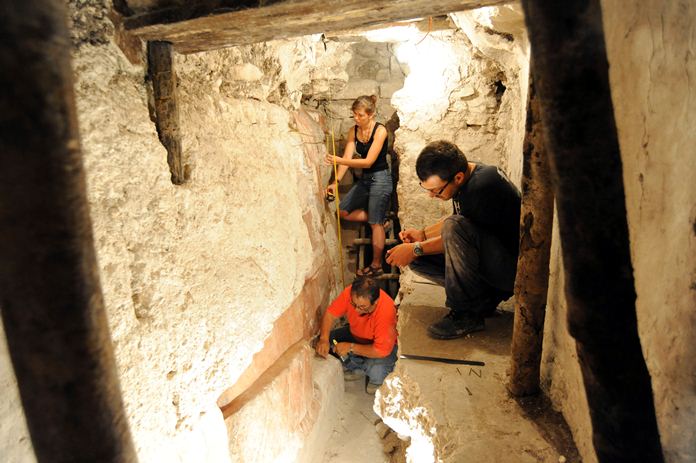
(339, 306)
(385, 329)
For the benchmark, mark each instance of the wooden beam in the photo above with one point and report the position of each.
(571, 75)
(197, 26)
(532, 282)
(51, 299)
(163, 77)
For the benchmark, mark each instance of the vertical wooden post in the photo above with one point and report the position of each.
(52, 306)
(572, 80)
(161, 72)
(532, 282)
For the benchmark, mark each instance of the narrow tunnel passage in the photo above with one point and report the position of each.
(217, 254)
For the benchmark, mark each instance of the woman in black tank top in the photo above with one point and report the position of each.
(368, 199)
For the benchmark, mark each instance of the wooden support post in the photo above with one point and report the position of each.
(163, 77)
(532, 282)
(571, 77)
(51, 300)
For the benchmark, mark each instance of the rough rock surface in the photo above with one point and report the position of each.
(88, 22)
(369, 68)
(468, 86)
(560, 371)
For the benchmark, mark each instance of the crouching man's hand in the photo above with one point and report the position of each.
(401, 255)
(411, 235)
(322, 347)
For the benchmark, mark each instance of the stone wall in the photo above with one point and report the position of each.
(650, 46)
(468, 85)
(464, 79)
(370, 68)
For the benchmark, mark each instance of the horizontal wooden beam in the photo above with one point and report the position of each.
(197, 27)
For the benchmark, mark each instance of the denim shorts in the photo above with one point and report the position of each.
(371, 192)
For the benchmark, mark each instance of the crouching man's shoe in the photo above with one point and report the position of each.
(371, 388)
(491, 302)
(352, 375)
(455, 325)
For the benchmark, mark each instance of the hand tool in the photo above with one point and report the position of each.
(343, 357)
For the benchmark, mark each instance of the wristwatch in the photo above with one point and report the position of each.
(418, 249)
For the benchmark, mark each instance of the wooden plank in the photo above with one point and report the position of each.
(161, 72)
(571, 76)
(52, 303)
(199, 27)
(532, 282)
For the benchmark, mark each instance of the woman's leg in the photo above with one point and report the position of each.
(358, 215)
(380, 194)
(378, 239)
(353, 204)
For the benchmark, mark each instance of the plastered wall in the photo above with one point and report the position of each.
(650, 46)
(193, 276)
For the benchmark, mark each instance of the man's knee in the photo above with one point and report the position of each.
(376, 372)
(458, 226)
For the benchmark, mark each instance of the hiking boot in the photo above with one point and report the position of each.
(455, 325)
(372, 388)
(352, 375)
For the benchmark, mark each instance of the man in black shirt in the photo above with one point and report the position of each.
(473, 252)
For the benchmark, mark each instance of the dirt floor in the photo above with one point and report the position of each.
(476, 419)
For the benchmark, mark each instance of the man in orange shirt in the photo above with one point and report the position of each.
(368, 344)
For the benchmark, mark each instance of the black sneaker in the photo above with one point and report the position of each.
(455, 325)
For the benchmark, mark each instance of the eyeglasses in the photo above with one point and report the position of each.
(431, 190)
(361, 308)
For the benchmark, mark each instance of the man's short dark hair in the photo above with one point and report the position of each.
(440, 158)
(365, 287)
